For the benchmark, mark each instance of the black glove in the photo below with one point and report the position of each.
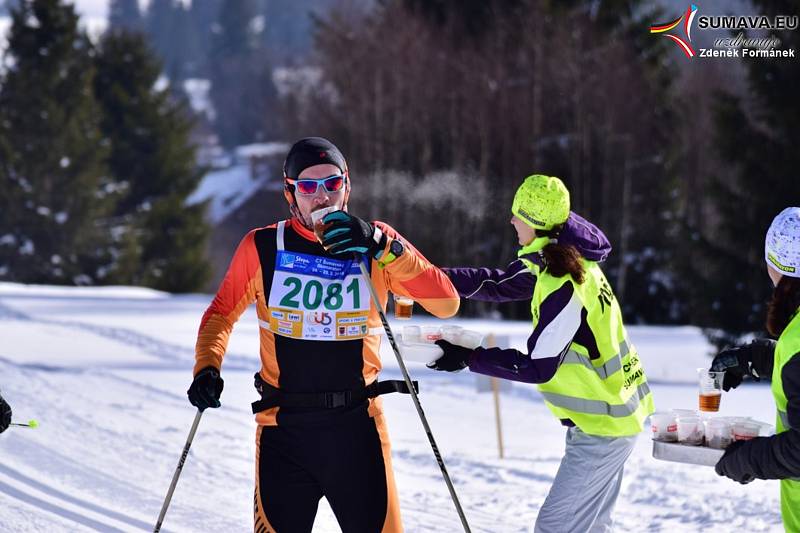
(5, 415)
(735, 463)
(455, 357)
(206, 389)
(347, 234)
(746, 360)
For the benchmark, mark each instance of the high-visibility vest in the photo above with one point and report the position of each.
(606, 396)
(788, 345)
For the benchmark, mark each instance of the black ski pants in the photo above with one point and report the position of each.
(346, 460)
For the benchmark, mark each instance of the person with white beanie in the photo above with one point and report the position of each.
(778, 456)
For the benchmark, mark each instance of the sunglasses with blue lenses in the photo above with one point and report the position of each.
(332, 184)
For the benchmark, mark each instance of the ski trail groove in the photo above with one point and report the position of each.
(41, 487)
(55, 509)
(166, 351)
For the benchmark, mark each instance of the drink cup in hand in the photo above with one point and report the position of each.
(316, 220)
(710, 389)
(403, 307)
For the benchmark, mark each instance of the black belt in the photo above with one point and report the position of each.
(274, 397)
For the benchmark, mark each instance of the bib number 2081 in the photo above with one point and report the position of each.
(315, 294)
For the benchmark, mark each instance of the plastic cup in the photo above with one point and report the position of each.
(732, 420)
(471, 339)
(719, 433)
(690, 430)
(411, 334)
(710, 389)
(452, 334)
(664, 426)
(403, 307)
(430, 333)
(745, 430)
(764, 429)
(420, 352)
(316, 220)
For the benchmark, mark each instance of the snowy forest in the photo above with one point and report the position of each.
(441, 108)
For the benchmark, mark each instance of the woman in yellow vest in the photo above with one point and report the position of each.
(579, 353)
(776, 457)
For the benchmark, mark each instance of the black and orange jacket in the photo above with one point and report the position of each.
(301, 365)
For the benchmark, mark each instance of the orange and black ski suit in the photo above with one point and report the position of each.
(341, 452)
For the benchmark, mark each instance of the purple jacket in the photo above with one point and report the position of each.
(562, 317)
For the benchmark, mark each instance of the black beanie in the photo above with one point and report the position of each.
(309, 152)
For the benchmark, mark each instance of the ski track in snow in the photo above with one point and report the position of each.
(166, 352)
(55, 509)
(111, 435)
(50, 491)
(111, 475)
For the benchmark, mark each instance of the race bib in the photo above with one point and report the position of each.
(318, 298)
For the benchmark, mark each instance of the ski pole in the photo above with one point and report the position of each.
(31, 424)
(414, 396)
(178, 470)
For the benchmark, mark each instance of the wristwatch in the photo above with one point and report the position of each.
(396, 249)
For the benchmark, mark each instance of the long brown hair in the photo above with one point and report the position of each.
(560, 259)
(783, 305)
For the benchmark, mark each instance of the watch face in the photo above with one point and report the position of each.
(396, 248)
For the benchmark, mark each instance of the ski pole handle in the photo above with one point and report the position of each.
(31, 424)
(178, 471)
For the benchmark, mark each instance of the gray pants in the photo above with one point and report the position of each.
(586, 486)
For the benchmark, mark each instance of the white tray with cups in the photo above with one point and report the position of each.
(687, 436)
(417, 343)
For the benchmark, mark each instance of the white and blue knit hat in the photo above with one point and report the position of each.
(782, 246)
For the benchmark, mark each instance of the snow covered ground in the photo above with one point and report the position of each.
(105, 370)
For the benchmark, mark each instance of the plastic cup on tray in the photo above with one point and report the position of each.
(664, 426)
(690, 430)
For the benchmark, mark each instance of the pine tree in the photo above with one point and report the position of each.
(758, 137)
(161, 240)
(125, 14)
(242, 91)
(55, 191)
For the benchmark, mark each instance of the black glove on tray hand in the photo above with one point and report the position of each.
(735, 362)
(347, 234)
(734, 463)
(455, 357)
(5, 415)
(206, 389)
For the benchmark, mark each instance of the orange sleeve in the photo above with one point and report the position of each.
(414, 276)
(237, 290)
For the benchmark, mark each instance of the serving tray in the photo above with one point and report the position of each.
(681, 453)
